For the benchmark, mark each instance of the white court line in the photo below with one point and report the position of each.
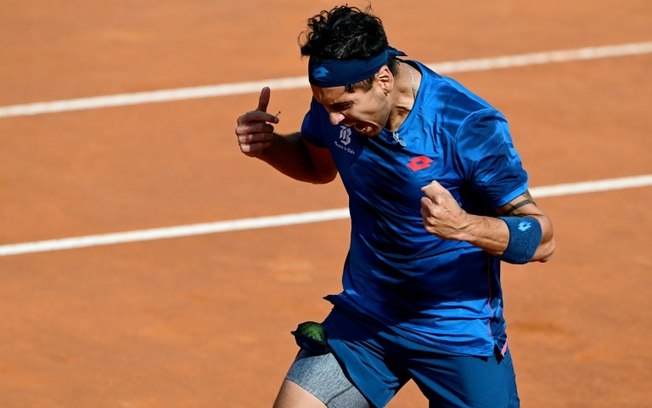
(282, 220)
(445, 67)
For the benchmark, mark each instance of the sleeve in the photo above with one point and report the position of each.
(489, 159)
(312, 126)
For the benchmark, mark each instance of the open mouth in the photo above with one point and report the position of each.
(360, 127)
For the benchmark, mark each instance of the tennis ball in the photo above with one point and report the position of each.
(312, 330)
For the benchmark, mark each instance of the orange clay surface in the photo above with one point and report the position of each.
(204, 321)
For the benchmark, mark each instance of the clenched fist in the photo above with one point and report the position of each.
(442, 215)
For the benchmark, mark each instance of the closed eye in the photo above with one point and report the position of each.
(339, 107)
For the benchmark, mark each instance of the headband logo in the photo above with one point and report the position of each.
(320, 73)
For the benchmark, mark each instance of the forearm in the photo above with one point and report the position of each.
(493, 236)
(524, 234)
(290, 156)
(488, 233)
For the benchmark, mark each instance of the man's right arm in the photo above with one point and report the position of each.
(292, 155)
(299, 159)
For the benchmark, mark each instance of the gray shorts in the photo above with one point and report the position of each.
(322, 376)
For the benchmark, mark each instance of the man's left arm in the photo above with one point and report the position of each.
(521, 233)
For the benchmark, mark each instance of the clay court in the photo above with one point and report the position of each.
(192, 317)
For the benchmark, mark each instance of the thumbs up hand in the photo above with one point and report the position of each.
(254, 129)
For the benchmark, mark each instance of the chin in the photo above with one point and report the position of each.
(373, 131)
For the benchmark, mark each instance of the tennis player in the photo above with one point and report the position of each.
(438, 200)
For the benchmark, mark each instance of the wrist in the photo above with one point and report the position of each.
(525, 235)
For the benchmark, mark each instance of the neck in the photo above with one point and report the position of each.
(407, 85)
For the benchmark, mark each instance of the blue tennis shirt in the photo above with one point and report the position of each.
(443, 293)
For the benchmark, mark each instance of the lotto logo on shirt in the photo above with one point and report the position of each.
(419, 163)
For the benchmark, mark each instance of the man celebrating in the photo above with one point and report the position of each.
(438, 198)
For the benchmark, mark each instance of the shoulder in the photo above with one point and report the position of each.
(451, 89)
(454, 104)
(314, 124)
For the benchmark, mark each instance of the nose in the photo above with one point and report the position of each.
(335, 117)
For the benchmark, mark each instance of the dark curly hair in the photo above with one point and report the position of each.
(345, 33)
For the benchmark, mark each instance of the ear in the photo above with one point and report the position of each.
(385, 79)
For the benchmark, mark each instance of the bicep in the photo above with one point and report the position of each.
(522, 205)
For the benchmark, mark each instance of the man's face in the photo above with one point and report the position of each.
(366, 111)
